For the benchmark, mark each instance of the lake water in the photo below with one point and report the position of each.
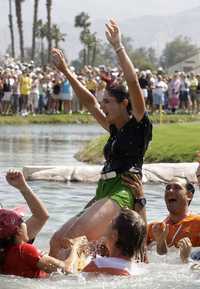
(56, 145)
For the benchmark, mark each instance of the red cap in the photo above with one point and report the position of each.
(9, 222)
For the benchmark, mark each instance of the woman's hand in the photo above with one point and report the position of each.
(113, 34)
(59, 61)
(16, 179)
(134, 183)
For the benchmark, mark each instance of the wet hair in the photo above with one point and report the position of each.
(4, 244)
(131, 231)
(120, 93)
(189, 187)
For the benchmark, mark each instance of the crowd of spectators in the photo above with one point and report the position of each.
(27, 89)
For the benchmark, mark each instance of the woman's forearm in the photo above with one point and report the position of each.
(38, 210)
(36, 206)
(125, 63)
(51, 264)
(135, 92)
(85, 96)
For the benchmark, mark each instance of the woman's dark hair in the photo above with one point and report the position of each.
(131, 231)
(120, 93)
(4, 244)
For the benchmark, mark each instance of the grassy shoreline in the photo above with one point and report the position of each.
(47, 119)
(171, 143)
(176, 139)
(86, 118)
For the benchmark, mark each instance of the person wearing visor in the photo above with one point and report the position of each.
(180, 223)
(17, 256)
(123, 115)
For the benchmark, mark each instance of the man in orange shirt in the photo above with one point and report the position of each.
(180, 223)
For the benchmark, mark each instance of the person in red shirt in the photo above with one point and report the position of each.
(19, 258)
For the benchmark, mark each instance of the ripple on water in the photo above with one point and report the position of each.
(156, 276)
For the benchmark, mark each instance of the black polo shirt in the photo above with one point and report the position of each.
(126, 146)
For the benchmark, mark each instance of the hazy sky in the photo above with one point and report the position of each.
(120, 9)
(64, 11)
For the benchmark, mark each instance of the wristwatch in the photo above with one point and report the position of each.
(141, 201)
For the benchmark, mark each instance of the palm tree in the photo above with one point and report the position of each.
(18, 8)
(10, 18)
(49, 37)
(94, 46)
(87, 38)
(82, 20)
(41, 33)
(89, 41)
(57, 35)
(35, 18)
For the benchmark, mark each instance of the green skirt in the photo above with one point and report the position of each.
(115, 190)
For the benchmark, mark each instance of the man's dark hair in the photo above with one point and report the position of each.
(187, 184)
(190, 188)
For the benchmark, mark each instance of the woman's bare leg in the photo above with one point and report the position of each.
(92, 223)
(56, 248)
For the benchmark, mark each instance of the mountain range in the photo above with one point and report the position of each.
(149, 31)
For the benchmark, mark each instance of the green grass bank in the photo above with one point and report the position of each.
(86, 118)
(47, 119)
(171, 143)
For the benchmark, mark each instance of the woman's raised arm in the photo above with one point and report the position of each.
(39, 211)
(85, 96)
(113, 35)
